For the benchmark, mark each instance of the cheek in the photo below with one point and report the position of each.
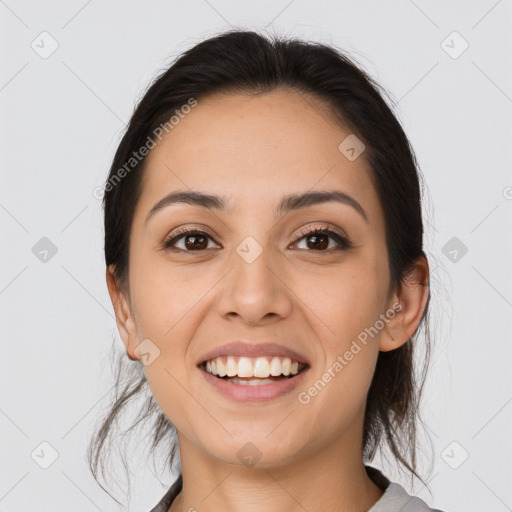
(340, 383)
(346, 300)
(165, 297)
(343, 306)
(168, 311)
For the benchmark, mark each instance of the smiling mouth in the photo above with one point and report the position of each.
(251, 371)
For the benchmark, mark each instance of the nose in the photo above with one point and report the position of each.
(255, 289)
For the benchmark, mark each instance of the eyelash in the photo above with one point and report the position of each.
(340, 239)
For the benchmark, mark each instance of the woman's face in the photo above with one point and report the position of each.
(253, 276)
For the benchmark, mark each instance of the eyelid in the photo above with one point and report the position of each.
(320, 226)
(186, 229)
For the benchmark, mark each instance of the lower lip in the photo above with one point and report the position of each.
(257, 393)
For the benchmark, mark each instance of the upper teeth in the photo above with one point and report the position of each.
(253, 367)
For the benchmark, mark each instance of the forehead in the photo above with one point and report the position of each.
(255, 149)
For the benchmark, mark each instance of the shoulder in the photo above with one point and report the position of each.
(396, 498)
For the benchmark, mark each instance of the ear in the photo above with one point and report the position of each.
(124, 316)
(408, 305)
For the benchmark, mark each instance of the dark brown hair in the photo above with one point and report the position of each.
(250, 63)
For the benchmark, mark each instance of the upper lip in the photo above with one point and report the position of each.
(250, 349)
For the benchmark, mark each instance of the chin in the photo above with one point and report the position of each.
(255, 451)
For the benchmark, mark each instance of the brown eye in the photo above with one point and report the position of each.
(194, 240)
(318, 240)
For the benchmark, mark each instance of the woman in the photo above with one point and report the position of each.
(263, 242)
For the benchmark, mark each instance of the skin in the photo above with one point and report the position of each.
(255, 149)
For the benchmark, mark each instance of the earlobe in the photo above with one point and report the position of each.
(124, 316)
(413, 298)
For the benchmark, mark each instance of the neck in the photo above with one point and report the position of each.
(332, 479)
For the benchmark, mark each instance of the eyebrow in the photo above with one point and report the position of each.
(287, 204)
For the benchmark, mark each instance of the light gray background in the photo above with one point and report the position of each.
(61, 119)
